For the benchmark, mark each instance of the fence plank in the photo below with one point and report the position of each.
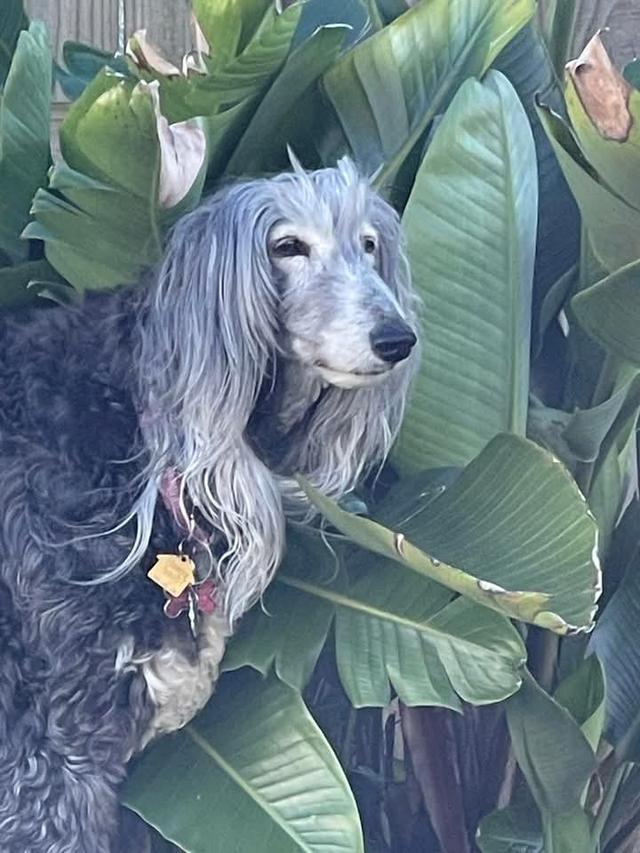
(92, 21)
(167, 23)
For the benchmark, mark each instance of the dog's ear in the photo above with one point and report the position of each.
(214, 310)
(208, 332)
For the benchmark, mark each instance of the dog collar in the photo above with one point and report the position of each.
(176, 573)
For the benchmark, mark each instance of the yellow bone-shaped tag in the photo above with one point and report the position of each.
(173, 572)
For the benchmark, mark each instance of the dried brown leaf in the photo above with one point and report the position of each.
(603, 91)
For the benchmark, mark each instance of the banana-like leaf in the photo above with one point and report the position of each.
(287, 634)
(615, 483)
(604, 111)
(559, 28)
(552, 751)
(588, 429)
(114, 115)
(515, 829)
(612, 224)
(402, 630)
(253, 772)
(385, 633)
(24, 137)
(263, 146)
(514, 520)
(12, 21)
(518, 829)
(227, 93)
(240, 80)
(525, 62)
(582, 694)
(610, 312)
(387, 90)
(557, 762)
(471, 224)
(229, 25)
(615, 641)
(82, 215)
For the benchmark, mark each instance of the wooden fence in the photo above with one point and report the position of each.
(107, 24)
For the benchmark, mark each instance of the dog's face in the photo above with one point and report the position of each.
(336, 262)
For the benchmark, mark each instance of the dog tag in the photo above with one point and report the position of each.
(173, 572)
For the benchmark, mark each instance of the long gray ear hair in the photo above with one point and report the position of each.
(352, 431)
(205, 339)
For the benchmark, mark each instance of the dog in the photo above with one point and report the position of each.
(276, 336)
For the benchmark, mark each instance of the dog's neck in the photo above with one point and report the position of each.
(289, 398)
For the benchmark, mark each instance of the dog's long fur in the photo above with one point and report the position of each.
(233, 368)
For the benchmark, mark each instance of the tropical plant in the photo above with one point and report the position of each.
(423, 652)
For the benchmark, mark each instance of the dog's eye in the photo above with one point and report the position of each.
(290, 247)
(369, 245)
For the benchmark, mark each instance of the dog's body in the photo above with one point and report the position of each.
(214, 372)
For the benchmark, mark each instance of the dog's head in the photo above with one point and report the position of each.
(304, 271)
(336, 252)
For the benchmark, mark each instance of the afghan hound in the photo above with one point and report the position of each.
(276, 336)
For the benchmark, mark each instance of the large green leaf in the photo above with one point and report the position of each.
(616, 641)
(470, 224)
(387, 631)
(582, 694)
(24, 136)
(559, 29)
(99, 199)
(263, 146)
(610, 311)
(514, 520)
(393, 629)
(612, 224)
(557, 762)
(252, 772)
(287, 633)
(229, 25)
(514, 829)
(605, 124)
(239, 80)
(552, 751)
(114, 115)
(526, 63)
(229, 93)
(387, 90)
(589, 429)
(615, 481)
(12, 21)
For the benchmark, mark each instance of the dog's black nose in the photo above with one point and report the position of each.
(392, 341)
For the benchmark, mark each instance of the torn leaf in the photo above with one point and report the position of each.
(183, 148)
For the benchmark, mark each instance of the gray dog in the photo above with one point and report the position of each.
(275, 337)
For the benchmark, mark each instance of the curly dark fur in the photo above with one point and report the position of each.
(66, 421)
